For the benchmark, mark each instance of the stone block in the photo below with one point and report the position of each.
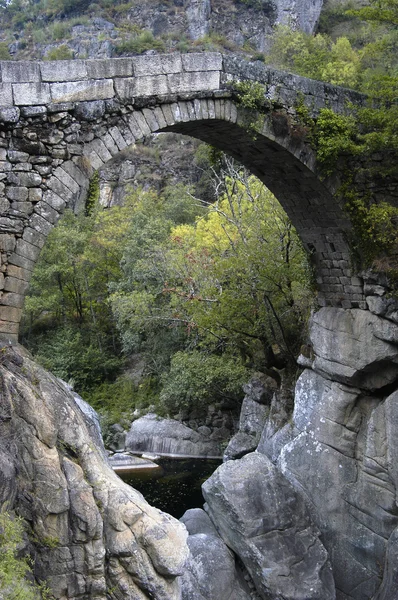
(161, 64)
(24, 179)
(35, 194)
(138, 125)
(75, 91)
(34, 237)
(25, 208)
(53, 200)
(18, 272)
(20, 71)
(62, 70)
(73, 170)
(168, 115)
(9, 312)
(110, 143)
(18, 286)
(8, 326)
(33, 111)
(209, 61)
(20, 261)
(150, 119)
(108, 68)
(37, 222)
(27, 250)
(22, 167)
(196, 81)
(1, 281)
(159, 116)
(3, 154)
(15, 156)
(7, 242)
(6, 94)
(9, 225)
(12, 299)
(118, 138)
(99, 148)
(26, 94)
(9, 115)
(155, 85)
(47, 212)
(60, 188)
(67, 180)
(5, 166)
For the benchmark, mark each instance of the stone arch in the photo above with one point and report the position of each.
(49, 151)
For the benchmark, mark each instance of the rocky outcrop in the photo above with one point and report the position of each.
(253, 416)
(168, 436)
(264, 520)
(211, 573)
(92, 536)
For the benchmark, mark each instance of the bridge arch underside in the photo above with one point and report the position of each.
(46, 165)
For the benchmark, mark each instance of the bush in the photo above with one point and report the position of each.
(4, 53)
(139, 44)
(14, 569)
(62, 52)
(196, 380)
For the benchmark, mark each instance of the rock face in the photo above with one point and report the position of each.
(92, 536)
(167, 436)
(211, 572)
(253, 416)
(264, 520)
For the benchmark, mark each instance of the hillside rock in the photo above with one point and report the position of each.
(92, 535)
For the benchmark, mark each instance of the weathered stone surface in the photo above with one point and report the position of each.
(355, 347)
(74, 91)
(61, 70)
(154, 434)
(156, 65)
(31, 93)
(211, 572)
(253, 416)
(339, 458)
(264, 520)
(19, 72)
(106, 541)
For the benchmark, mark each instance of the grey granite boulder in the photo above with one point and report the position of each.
(211, 572)
(264, 520)
(167, 436)
(355, 347)
(253, 416)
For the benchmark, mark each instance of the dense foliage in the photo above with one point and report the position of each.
(182, 284)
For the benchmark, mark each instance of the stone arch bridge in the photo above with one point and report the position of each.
(60, 121)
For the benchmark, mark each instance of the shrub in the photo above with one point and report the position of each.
(139, 44)
(196, 380)
(62, 52)
(4, 53)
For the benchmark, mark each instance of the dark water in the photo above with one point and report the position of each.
(177, 486)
